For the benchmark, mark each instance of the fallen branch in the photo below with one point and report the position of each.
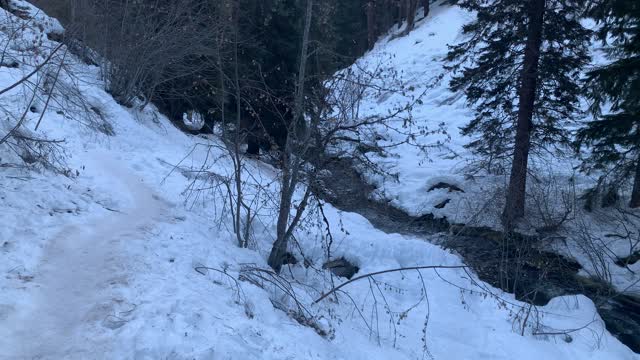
(38, 68)
(385, 272)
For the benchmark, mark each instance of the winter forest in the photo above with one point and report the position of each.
(320, 179)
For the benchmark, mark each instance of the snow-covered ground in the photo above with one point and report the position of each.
(415, 168)
(417, 61)
(102, 265)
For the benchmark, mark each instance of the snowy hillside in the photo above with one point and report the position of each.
(129, 253)
(417, 61)
(417, 169)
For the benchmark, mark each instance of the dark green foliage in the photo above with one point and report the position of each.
(488, 67)
(270, 34)
(202, 77)
(350, 18)
(614, 135)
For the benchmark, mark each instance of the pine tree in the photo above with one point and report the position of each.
(519, 69)
(615, 135)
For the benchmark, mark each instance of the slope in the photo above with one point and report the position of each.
(111, 262)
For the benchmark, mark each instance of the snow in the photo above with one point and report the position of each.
(102, 265)
(416, 62)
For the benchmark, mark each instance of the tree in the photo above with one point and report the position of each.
(292, 163)
(514, 206)
(323, 108)
(372, 30)
(426, 7)
(411, 15)
(614, 136)
(411, 6)
(519, 69)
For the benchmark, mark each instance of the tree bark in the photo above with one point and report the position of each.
(635, 193)
(402, 11)
(426, 6)
(411, 8)
(291, 167)
(372, 32)
(515, 202)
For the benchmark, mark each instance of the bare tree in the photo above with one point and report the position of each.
(229, 11)
(292, 162)
(324, 117)
(143, 45)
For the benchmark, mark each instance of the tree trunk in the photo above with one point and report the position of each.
(279, 249)
(514, 207)
(290, 168)
(242, 242)
(425, 5)
(635, 193)
(253, 142)
(387, 14)
(402, 11)
(411, 8)
(372, 33)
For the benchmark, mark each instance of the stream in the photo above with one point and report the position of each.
(511, 263)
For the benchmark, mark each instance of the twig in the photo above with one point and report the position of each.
(385, 272)
(50, 94)
(38, 68)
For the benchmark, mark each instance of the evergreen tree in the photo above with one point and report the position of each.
(519, 69)
(615, 135)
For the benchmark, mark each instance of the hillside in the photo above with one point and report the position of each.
(117, 241)
(434, 174)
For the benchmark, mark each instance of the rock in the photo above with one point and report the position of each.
(341, 267)
(444, 185)
(442, 204)
(628, 260)
(289, 259)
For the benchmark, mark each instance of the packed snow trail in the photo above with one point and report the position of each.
(75, 280)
